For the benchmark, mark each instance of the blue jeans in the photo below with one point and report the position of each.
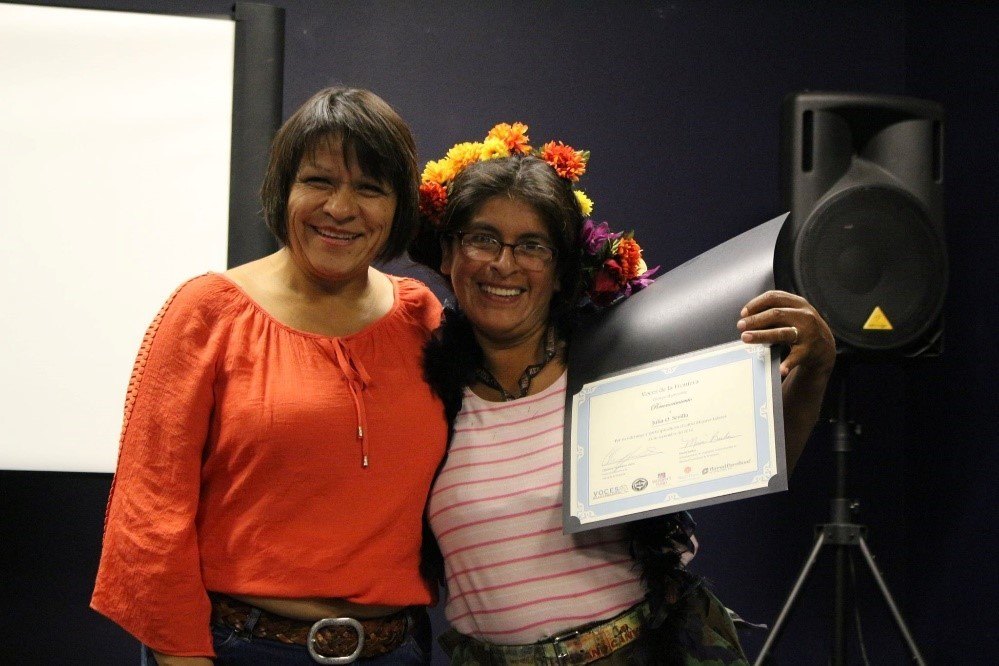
(233, 649)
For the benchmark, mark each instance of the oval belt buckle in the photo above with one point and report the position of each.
(333, 622)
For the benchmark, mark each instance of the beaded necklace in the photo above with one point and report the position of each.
(524, 383)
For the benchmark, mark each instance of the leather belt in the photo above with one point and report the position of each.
(340, 640)
(572, 647)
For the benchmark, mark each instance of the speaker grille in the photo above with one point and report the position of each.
(871, 263)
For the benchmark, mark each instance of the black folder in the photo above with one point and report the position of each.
(692, 307)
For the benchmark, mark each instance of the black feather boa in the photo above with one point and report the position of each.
(450, 359)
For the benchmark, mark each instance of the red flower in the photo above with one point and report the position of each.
(608, 278)
(433, 200)
(613, 268)
(567, 162)
(606, 284)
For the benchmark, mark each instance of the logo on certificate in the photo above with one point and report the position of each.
(638, 485)
(603, 493)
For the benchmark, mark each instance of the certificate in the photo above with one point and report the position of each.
(692, 430)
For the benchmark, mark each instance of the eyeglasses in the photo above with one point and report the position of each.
(529, 255)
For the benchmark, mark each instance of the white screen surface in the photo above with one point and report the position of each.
(114, 188)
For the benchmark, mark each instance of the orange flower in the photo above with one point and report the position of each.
(514, 136)
(567, 162)
(433, 200)
(629, 255)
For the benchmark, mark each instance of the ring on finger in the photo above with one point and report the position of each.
(795, 329)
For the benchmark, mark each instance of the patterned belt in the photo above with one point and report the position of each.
(572, 647)
(329, 641)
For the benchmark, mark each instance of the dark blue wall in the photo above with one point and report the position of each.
(952, 52)
(678, 102)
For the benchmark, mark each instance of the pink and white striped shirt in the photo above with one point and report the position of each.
(513, 577)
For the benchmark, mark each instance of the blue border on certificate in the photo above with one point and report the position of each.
(581, 514)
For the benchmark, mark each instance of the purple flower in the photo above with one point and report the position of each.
(642, 281)
(595, 235)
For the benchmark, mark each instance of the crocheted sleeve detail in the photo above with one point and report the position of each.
(136, 378)
(149, 580)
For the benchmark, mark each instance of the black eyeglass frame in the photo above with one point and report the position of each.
(460, 236)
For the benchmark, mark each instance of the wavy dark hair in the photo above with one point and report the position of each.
(369, 130)
(533, 181)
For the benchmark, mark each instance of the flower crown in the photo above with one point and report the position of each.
(612, 263)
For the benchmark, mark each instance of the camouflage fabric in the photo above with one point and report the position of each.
(708, 638)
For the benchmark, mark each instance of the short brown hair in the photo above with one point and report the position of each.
(368, 129)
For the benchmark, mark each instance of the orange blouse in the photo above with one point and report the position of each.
(240, 469)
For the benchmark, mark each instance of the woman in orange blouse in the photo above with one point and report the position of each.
(277, 428)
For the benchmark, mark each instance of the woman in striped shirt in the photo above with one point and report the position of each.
(519, 590)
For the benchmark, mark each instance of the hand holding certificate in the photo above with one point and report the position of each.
(679, 415)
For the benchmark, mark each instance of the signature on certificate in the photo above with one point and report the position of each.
(716, 436)
(621, 456)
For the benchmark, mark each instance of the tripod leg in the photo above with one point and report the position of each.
(899, 621)
(839, 609)
(789, 604)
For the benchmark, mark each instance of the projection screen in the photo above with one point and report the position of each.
(114, 188)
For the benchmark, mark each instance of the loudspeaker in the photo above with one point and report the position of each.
(863, 178)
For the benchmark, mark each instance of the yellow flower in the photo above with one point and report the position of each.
(585, 202)
(439, 171)
(493, 148)
(463, 154)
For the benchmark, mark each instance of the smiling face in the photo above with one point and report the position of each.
(338, 218)
(505, 303)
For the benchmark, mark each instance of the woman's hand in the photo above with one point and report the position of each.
(781, 318)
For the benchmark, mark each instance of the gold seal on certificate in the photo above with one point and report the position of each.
(696, 429)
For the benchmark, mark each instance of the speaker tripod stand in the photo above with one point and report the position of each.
(844, 537)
